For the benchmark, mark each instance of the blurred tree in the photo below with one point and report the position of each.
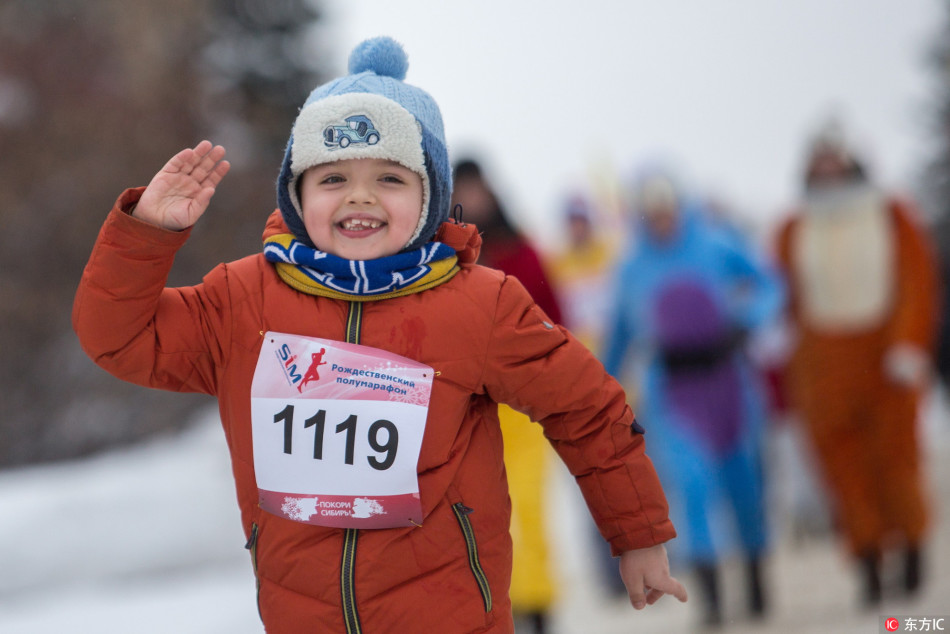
(938, 169)
(936, 186)
(95, 97)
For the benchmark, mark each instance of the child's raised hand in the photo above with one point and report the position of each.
(646, 574)
(180, 192)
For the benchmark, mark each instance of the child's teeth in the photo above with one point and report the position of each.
(361, 223)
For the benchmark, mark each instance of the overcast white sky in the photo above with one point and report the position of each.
(729, 89)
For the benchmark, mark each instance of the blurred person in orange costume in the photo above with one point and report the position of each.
(527, 453)
(863, 306)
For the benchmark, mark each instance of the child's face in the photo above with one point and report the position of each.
(361, 209)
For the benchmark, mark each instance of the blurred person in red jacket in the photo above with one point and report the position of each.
(527, 454)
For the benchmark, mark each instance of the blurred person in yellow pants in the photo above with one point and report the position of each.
(527, 462)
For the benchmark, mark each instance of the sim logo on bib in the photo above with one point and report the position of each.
(293, 366)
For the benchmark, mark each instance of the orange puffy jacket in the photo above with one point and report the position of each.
(488, 343)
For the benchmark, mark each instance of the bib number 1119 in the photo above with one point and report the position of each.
(350, 427)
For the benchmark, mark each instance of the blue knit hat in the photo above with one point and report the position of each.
(370, 113)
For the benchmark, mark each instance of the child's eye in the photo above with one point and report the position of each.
(331, 179)
(392, 178)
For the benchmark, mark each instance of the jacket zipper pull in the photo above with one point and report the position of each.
(252, 539)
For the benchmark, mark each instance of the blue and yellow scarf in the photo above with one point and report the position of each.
(316, 272)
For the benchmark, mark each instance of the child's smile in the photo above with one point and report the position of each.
(361, 224)
(361, 209)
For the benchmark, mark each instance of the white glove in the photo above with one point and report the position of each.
(907, 364)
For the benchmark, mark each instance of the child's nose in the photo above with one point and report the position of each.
(361, 194)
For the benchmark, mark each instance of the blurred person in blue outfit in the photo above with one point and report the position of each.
(687, 297)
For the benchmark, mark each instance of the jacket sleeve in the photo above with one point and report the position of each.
(134, 327)
(915, 321)
(539, 368)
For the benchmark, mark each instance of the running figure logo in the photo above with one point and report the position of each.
(316, 360)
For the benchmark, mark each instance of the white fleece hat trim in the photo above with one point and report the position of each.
(323, 135)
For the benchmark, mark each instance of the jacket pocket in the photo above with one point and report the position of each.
(471, 546)
(251, 546)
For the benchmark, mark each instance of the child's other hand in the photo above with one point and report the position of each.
(646, 574)
(179, 194)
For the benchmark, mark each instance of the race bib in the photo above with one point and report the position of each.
(337, 430)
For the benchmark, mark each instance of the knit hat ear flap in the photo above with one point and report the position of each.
(370, 113)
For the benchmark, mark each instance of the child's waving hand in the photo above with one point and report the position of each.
(180, 192)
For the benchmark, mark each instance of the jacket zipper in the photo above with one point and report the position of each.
(461, 514)
(350, 614)
(354, 322)
(251, 545)
(351, 617)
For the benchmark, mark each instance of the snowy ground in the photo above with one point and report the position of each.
(147, 540)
